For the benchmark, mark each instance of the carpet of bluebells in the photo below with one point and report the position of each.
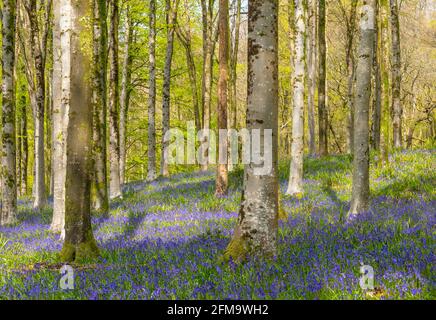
(165, 240)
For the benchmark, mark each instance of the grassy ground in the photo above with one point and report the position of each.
(164, 240)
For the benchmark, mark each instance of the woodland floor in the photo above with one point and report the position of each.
(164, 240)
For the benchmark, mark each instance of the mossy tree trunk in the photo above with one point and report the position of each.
(322, 88)
(126, 87)
(256, 230)
(79, 244)
(99, 101)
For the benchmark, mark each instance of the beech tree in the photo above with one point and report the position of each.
(360, 192)
(295, 186)
(8, 160)
(257, 226)
(114, 124)
(322, 107)
(79, 241)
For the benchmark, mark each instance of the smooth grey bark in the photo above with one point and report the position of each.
(151, 174)
(311, 73)
(114, 125)
(8, 159)
(397, 110)
(322, 106)
(377, 96)
(24, 145)
(295, 185)
(60, 116)
(257, 226)
(125, 92)
(79, 241)
(222, 180)
(99, 102)
(171, 20)
(360, 189)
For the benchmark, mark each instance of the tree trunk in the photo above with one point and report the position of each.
(222, 174)
(350, 62)
(60, 117)
(24, 144)
(125, 92)
(114, 126)
(171, 17)
(206, 92)
(233, 101)
(151, 175)
(360, 193)
(295, 186)
(396, 75)
(322, 108)
(99, 100)
(79, 241)
(377, 96)
(256, 230)
(38, 57)
(311, 74)
(8, 162)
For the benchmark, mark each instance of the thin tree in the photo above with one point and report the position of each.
(322, 107)
(114, 125)
(311, 73)
(222, 174)
(257, 226)
(397, 111)
(99, 103)
(377, 96)
(171, 19)
(151, 175)
(79, 241)
(125, 90)
(360, 192)
(8, 160)
(295, 186)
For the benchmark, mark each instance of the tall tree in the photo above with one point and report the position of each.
(99, 102)
(256, 230)
(171, 19)
(322, 107)
(151, 175)
(350, 63)
(295, 186)
(207, 11)
(114, 125)
(125, 90)
(377, 96)
(60, 122)
(79, 241)
(8, 162)
(397, 110)
(311, 73)
(38, 46)
(222, 174)
(234, 52)
(360, 192)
